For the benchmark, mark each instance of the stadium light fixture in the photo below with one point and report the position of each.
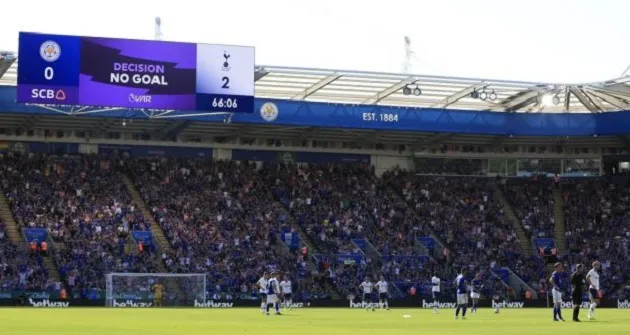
(484, 95)
(556, 99)
(7, 55)
(547, 100)
(492, 96)
(409, 90)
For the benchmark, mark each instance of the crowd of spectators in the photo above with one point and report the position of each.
(83, 204)
(72, 197)
(462, 212)
(338, 203)
(20, 270)
(325, 202)
(224, 218)
(221, 219)
(596, 223)
(532, 200)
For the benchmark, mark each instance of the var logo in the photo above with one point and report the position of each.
(48, 303)
(131, 303)
(212, 304)
(508, 304)
(139, 98)
(438, 304)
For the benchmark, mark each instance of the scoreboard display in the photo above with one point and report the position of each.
(107, 72)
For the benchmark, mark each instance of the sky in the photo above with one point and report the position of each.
(554, 41)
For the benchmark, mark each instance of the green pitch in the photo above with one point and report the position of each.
(98, 321)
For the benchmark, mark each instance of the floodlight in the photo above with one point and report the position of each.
(406, 90)
(546, 100)
(417, 91)
(556, 99)
(493, 96)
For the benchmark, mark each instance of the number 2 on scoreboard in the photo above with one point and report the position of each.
(226, 82)
(49, 73)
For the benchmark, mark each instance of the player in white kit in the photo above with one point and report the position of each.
(262, 291)
(592, 278)
(383, 297)
(367, 286)
(435, 292)
(285, 286)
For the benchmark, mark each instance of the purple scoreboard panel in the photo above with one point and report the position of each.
(107, 72)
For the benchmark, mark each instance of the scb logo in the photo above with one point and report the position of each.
(48, 94)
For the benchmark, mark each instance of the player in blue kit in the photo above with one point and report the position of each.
(475, 293)
(273, 294)
(558, 287)
(462, 296)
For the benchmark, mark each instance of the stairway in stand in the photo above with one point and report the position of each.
(9, 223)
(559, 226)
(53, 272)
(526, 243)
(306, 241)
(18, 239)
(156, 231)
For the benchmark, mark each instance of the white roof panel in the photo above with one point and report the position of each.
(354, 87)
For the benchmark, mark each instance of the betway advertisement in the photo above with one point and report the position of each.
(327, 303)
(131, 304)
(509, 304)
(48, 303)
(623, 304)
(212, 304)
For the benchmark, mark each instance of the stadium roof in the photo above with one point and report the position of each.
(358, 88)
(353, 87)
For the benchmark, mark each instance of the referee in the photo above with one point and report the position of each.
(577, 282)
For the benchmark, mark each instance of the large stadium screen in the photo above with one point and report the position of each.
(107, 72)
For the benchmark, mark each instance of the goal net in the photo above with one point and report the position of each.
(137, 289)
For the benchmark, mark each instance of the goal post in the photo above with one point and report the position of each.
(135, 289)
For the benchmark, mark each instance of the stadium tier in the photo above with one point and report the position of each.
(325, 186)
(325, 226)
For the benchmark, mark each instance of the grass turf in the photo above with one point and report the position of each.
(101, 321)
